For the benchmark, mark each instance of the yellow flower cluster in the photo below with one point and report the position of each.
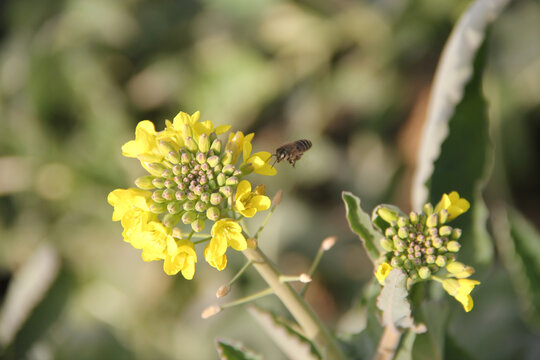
(455, 283)
(191, 180)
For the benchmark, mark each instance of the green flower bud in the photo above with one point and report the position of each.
(386, 214)
(428, 209)
(180, 195)
(432, 221)
(227, 157)
(204, 143)
(403, 233)
(157, 196)
(400, 245)
(174, 207)
(437, 242)
(443, 216)
(173, 157)
(215, 199)
(165, 147)
(456, 234)
(430, 259)
(445, 230)
(177, 169)
(200, 157)
(413, 217)
(205, 197)
(232, 181)
(226, 191)
(213, 213)
(189, 217)
(212, 184)
(185, 158)
(216, 146)
(424, 273)
(213, 160)
(228, 169)
(158, 208)
(159, 182)
(440, 261)
(189, 205)
(155, 168)
(387, 244)
(389, 232)
(167, 173)
(401, 221)
(396, 262)
(168, 194)
(221, 179)
(191, 144)
(453, 246)
(413, 275)
(407, 264)
(170, 220)
(145, 182)
(420, 238)
(197, 225)
(170, 183)
(192, 196)
(200, 206)
(184, 169)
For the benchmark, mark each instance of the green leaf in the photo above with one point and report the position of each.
(234, 350)
(286, 336)
(453, 73)
(394, 303)
(519, 245)
(360, 223)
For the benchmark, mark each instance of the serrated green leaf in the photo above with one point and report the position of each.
(519, 245)
(393, 301)
(360, 223)
(288, 338)
(234, 350)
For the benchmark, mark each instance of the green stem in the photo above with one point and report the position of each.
(388, 344)
(265, 221)
(249, 298)
(312, 326)
(314, 265)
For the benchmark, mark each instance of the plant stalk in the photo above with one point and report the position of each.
(313, 328)
(388, 344)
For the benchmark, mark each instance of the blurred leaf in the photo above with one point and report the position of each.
(234, 350)
(430, 344)
(453, 72)
(453, 351)
(288, 339)
(360, 223)
(394, 303)
(34, 301)
(519, 245)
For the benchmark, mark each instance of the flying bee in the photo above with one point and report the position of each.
(292, 151)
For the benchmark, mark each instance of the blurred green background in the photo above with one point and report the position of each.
(352, 76)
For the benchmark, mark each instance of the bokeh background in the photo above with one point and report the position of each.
(352, 76)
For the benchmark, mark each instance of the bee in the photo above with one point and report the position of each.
(292, 151)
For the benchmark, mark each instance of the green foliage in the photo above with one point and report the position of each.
(234, 350)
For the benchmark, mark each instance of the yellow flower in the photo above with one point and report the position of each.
(453, 204)
(197, 128)
(247, 202)
(236, 143)
(382, 272)
(259, 161)
(460, 290)
(144, 147)
(125, 200)
(180, 256)
(154, 241)
(225, 233)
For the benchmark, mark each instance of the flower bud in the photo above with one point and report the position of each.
(177, 169)
(204, 143)
(189, 205)
(396, 262)
(213, 213)
(185, 158)
(403, 233)
(174, 207)
(424, 273)
(389, 232)
(145, 182)
(401, 221)
(232, 181)
(189, 217)
(158, 208)
(210, 311)
(200, 157)
(205, 197)
(226, 191)
(191, 144)
(168, 194)
(445, 230)
(227, 157)
(213, 161)
(430, 259)
(432, 221)
(413, 217)
(171, 220)
(328, 243)
(200, 206)
(387, 244)
(155, 168)
(216, 146)
(157, 196)
(192, 196)
(180, 195)
(387, 214)
(159, 182)
(453, 246)
(228, 169)
(440, 261)
(223, 291)
(400, 245)
(456, 234)
(198, 225)
(221, 179)
(216, 198)
(173, 157)
(170, 183)
(443, 216)
(276, 200)
(428, 209)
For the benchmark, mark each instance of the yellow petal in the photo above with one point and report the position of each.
(238, 242)
(382, 272)
(260, 202)
(244, 188)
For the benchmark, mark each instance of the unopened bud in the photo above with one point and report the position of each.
(413, 217)
(387, 214)
(227, 157)
(453, 246)
(170, 183)
(232, 181)
(155, 168)
(445, 230)
(177, 169)
(189, 217)
(276, 200)
(189, 205)
(198, 225)
(200, 206)
(403, 233)
(157, 196)
(396, 262)
(221, 179)
(216, 146)
(167, 173)
(216, 198)
(159, 182)
(210, 311)
(226, 191)
(213, 160)
(424, 273)
(440, 261)
(401, 221)
(174, 207)
(145, 182)
(213, 213)
(443, 216)
(430, 259)
(191, 144)
(204, 143)
(158, 208)
(223, 291)
(185, 158)
(387, 244)
(456, 234)
(171, 220)
(328, 243)
(304, 278)
(168, 194)
(180, 195)
(173, 157)
(428, 209)
(200, 157)
(228, 169)
(390, 232)
(432, 221)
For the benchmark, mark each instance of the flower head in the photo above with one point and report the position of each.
(248, 202)
(460, 289)
(191, 180)
(453, 204)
